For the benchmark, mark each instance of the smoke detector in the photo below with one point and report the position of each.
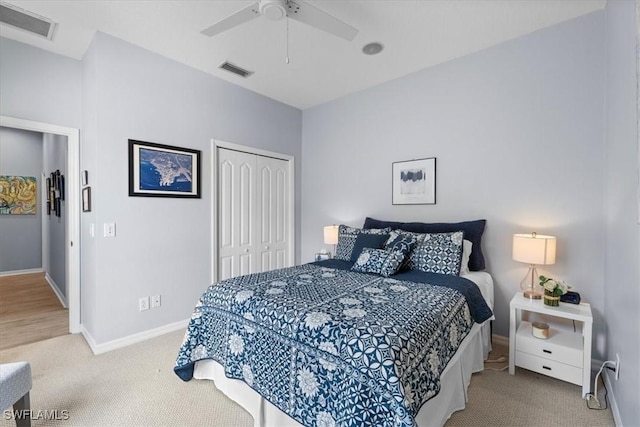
(372, 48)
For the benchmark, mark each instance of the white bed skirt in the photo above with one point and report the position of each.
(455, 379)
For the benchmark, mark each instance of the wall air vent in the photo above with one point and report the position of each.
(235, 69)
(27, 21)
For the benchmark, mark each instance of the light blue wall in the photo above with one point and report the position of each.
(622, 274)
(55, 158)
(163, 245)
(38, 85)
(88, 161)
(517, 132)
(21, 235)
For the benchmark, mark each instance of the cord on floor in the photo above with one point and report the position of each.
(594, 395)
(500, 359)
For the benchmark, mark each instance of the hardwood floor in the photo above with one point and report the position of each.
(29, 311)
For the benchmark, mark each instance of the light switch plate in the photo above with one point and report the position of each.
(109, 229)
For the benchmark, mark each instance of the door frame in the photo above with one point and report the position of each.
(216, 144)
(72, 199)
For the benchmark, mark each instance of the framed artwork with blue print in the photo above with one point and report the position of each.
(157, 170)
(414, 182)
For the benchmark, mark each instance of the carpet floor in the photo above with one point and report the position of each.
(136, 386)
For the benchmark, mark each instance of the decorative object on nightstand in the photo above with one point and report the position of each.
(331, 236)
(540, 330)
(533, 249)
(323, 255)
(553, 290)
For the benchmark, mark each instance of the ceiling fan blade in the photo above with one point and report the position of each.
(315, 17)
(240, 17)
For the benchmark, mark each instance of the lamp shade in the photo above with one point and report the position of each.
(534, 249)
(331, 235)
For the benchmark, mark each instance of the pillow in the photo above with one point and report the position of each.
(467, 246)
(378, 261)
(365, 240)
(401, 242)
(472, 231)
(438, 253)
(347, 238)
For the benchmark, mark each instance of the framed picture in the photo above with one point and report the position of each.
(86, 199)
(414, 182)
(18, 195)
(85, 178)
(61, 185)
(157, 170)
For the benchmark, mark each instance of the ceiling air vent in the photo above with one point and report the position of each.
(27, 21)
(235, 69)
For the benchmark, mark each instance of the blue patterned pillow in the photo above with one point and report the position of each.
(378, 261)
(366, 240)
(401, 242)
(438, 253)
(347, 238)
(473, 231)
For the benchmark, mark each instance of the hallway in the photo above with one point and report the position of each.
(29, 311)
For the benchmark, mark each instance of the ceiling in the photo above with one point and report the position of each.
(416, 34)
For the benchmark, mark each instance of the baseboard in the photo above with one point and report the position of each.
(131, 339)
(19, 272)
(500, 340)
(613, 404)
(56, 289)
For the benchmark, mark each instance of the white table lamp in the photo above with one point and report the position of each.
(533, 249)
(331, 236)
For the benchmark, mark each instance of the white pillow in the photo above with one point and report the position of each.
(466, 253)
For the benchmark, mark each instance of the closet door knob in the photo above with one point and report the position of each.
(247, 250)
(266, 247)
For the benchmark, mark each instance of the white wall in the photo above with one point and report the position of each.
(21, 235)
(517, 133)
(622, 274)
(163, 245)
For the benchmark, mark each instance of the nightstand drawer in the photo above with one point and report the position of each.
(549, 367)
(563, 347)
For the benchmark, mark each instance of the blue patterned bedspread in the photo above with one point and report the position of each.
(328, 346)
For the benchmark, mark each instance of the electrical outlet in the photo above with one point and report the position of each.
(143, 304)
(155, 301)
(617, 366)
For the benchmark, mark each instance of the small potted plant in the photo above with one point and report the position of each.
(553, 289)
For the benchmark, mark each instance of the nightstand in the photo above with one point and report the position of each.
(565, 355)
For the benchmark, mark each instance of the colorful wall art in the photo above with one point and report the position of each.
(18, 195)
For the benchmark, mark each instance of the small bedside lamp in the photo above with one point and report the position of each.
(533, 249)
(331, 236)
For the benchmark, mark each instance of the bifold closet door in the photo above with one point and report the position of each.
(236, 213)
(253, 214)
(273, 214)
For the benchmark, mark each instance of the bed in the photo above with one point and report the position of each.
(349, 341)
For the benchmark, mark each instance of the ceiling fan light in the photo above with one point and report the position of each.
(273, 9)
(372, 48)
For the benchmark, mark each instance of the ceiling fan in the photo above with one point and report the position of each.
(276, 10)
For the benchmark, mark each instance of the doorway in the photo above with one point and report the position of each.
(72, 234)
